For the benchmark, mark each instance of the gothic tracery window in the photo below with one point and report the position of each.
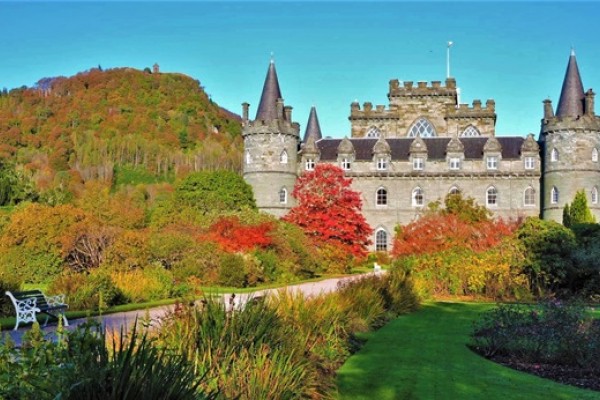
(373, 132)
(470, 131)
(422, 128)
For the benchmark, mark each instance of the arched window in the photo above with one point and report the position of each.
(454, 190)
(554, 155)
(381, 197)
(381, 240)
(417, 197)
(470, 131)
(373, 132)
(422, 128)
(595, 195)
(529, 197)
(283, 157)
(491, 198)
(554, 195)
(595, 154)
(248, 157)
(283, 196)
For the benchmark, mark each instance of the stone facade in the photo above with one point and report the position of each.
(425, 145)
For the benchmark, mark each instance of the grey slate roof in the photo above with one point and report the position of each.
(436, 147)
(571, 95)
(267, 109)
(313, 127)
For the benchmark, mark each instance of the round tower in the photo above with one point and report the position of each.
(570, 142)
(271, 143)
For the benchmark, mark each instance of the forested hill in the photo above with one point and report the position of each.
(96, 121)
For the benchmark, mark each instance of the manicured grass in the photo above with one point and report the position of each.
(424, 356)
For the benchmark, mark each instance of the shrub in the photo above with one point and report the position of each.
(232, 271)
(8, 283)
(554, 332)
(95, 291)
(140, 285)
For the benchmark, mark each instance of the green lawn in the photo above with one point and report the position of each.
(423, 356)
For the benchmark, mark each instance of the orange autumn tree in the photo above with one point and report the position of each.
(329, 211)
(461, 224)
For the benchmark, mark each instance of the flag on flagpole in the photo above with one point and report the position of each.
(450, 44)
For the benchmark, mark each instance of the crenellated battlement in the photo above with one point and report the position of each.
(476, 110)
(271, 126)
(422, 89)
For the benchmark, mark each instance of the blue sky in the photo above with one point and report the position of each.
(327, 54)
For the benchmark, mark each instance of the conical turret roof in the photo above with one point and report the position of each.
(312, 127)
(571, 95)
(267, 109)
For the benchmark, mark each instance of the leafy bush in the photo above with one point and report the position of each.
(8, 283)
(140, 285)
(553, 332)
(95, 291)
(232, 271)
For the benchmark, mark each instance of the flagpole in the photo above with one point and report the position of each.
(448, 59)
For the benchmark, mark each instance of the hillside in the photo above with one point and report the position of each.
(96, 121)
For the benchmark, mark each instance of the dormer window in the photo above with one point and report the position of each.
(310, 164)
(454, 163)
(529, 163)
(346, 164)
(554, 155)
(283, 157)
(595, 154)
(418, 163)
(492, 162)
(382, 164)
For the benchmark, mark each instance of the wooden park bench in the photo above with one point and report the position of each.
(29, 303)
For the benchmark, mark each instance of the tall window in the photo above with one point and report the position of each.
(529, 163)
(248, 157)
(554, 195)
(283, 196)
(373, 132)
(346, 164)
(417, 197)
(529, 197)
(492, 162)
(382, 164)
(422, 128)
(381, 240)
(554, 155)
(454, 163)
(310, 164)
(594, 195)
(283, 157)
(418, 163)
(595, 154)
(381, 197)
(491, 198)
(471, 131)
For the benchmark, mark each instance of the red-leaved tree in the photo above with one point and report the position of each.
(329, 211)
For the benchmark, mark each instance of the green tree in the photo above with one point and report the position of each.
(566, 219)
(580, 212)
(548, 248)
(466, 209)
(215, 191)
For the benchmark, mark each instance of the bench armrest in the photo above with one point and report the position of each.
(58, 300)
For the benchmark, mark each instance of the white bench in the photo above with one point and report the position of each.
(27, 304)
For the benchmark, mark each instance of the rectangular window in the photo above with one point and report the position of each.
(310, 164)
(346, 164)
(529, 163)
(382, 164)
(492, 162)
(454, 163)
(418, 164)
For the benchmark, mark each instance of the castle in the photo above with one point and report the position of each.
(425, 145)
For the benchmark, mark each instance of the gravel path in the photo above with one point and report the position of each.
(125, 320)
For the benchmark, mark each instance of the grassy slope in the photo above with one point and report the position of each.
(423, 356)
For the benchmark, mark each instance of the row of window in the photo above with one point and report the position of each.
(491, 197)
(418, 163)
(423, 128)
(555, 155)
(555, 195)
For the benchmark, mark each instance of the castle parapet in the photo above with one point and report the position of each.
(475, 111)
(423, 88)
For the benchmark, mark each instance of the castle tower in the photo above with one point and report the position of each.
(271, 144)
(570, 142)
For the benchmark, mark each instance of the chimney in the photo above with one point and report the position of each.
(589, 102)
(245, 107)
(548, 111)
